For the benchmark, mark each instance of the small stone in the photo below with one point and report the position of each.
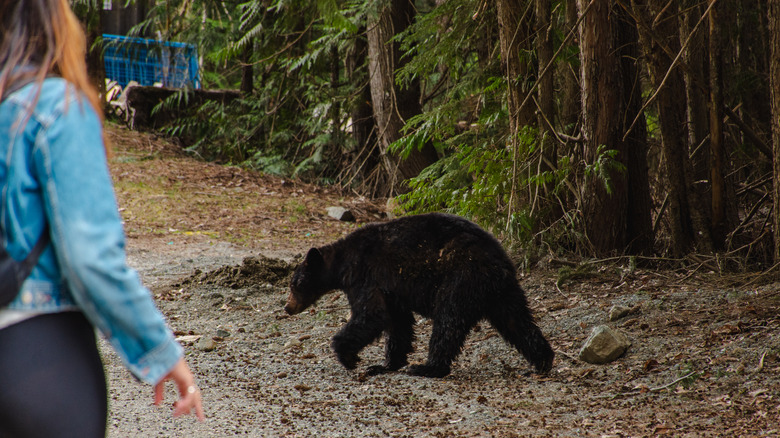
(206, 344)
(222, 333)
(292, 343)
(341, 213)
(604, 345)
(617, 312)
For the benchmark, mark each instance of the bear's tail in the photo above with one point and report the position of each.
(515, 323)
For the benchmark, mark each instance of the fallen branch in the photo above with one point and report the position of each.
(661, 388)
(651, 390)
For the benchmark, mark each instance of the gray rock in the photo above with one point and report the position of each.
(341, 213)
(617, 312)
(604, 345)
(292, 343)
(206, 344)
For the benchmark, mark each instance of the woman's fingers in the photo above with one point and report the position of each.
(189, 394)
(190, 400)
(158, 392)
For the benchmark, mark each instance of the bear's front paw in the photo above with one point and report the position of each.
(428, 370)
(349, 361)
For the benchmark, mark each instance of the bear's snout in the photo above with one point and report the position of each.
(293, 307)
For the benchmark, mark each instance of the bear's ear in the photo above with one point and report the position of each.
(314, 259)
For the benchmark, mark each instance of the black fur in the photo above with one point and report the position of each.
(440, 266)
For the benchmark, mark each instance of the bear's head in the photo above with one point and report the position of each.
(308, 284)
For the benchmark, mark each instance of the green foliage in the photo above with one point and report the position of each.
(293, 122)
(606, 162)
(475, 181)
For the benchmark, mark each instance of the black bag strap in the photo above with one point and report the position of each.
(31, 260)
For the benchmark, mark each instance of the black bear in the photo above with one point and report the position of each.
(441, 266)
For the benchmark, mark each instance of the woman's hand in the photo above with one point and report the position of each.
(189, 394)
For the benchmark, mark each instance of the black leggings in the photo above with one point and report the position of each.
(52, 381)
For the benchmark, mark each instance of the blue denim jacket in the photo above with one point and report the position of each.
(54, 166)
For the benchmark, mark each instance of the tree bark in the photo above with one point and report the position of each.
(695, 57)
(657, 21)
(546, 110)
(570, 87)
(751, 57)
(774, 85)
(617, 221)
(392, 106)
(513, 37)
(365, 164)
(717, 154)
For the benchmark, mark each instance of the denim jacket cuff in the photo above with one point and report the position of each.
(156, 364)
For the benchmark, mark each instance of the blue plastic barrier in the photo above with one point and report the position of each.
(148, 62)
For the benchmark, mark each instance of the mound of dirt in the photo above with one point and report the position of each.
(252, 273)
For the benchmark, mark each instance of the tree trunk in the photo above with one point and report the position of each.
(546, 112)
(363, 130)
(639, 227)
(695, 57)
(570, 87)
(717, 154)
(392, 106)
(774, 85)
(752, 60)
(657, 21)
(618, 218)
(514, 35)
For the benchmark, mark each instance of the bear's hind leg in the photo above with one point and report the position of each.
(399, 339)
(449, 333)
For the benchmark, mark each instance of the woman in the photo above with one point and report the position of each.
(54, 179)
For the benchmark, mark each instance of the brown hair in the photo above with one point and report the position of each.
(45, 35)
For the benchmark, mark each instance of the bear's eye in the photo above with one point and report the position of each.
(299, 280)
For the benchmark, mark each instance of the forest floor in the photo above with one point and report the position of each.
(215, 245)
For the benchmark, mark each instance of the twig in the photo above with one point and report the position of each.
(661, 388)
(652, 390)
(762, 275)
(757, 141)
(571, 357)
(747, 218)
(661, 213)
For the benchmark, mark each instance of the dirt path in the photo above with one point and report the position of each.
(705, 359)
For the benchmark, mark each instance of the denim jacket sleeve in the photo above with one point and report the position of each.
(89, 240)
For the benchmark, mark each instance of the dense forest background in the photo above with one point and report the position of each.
(602, 127)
